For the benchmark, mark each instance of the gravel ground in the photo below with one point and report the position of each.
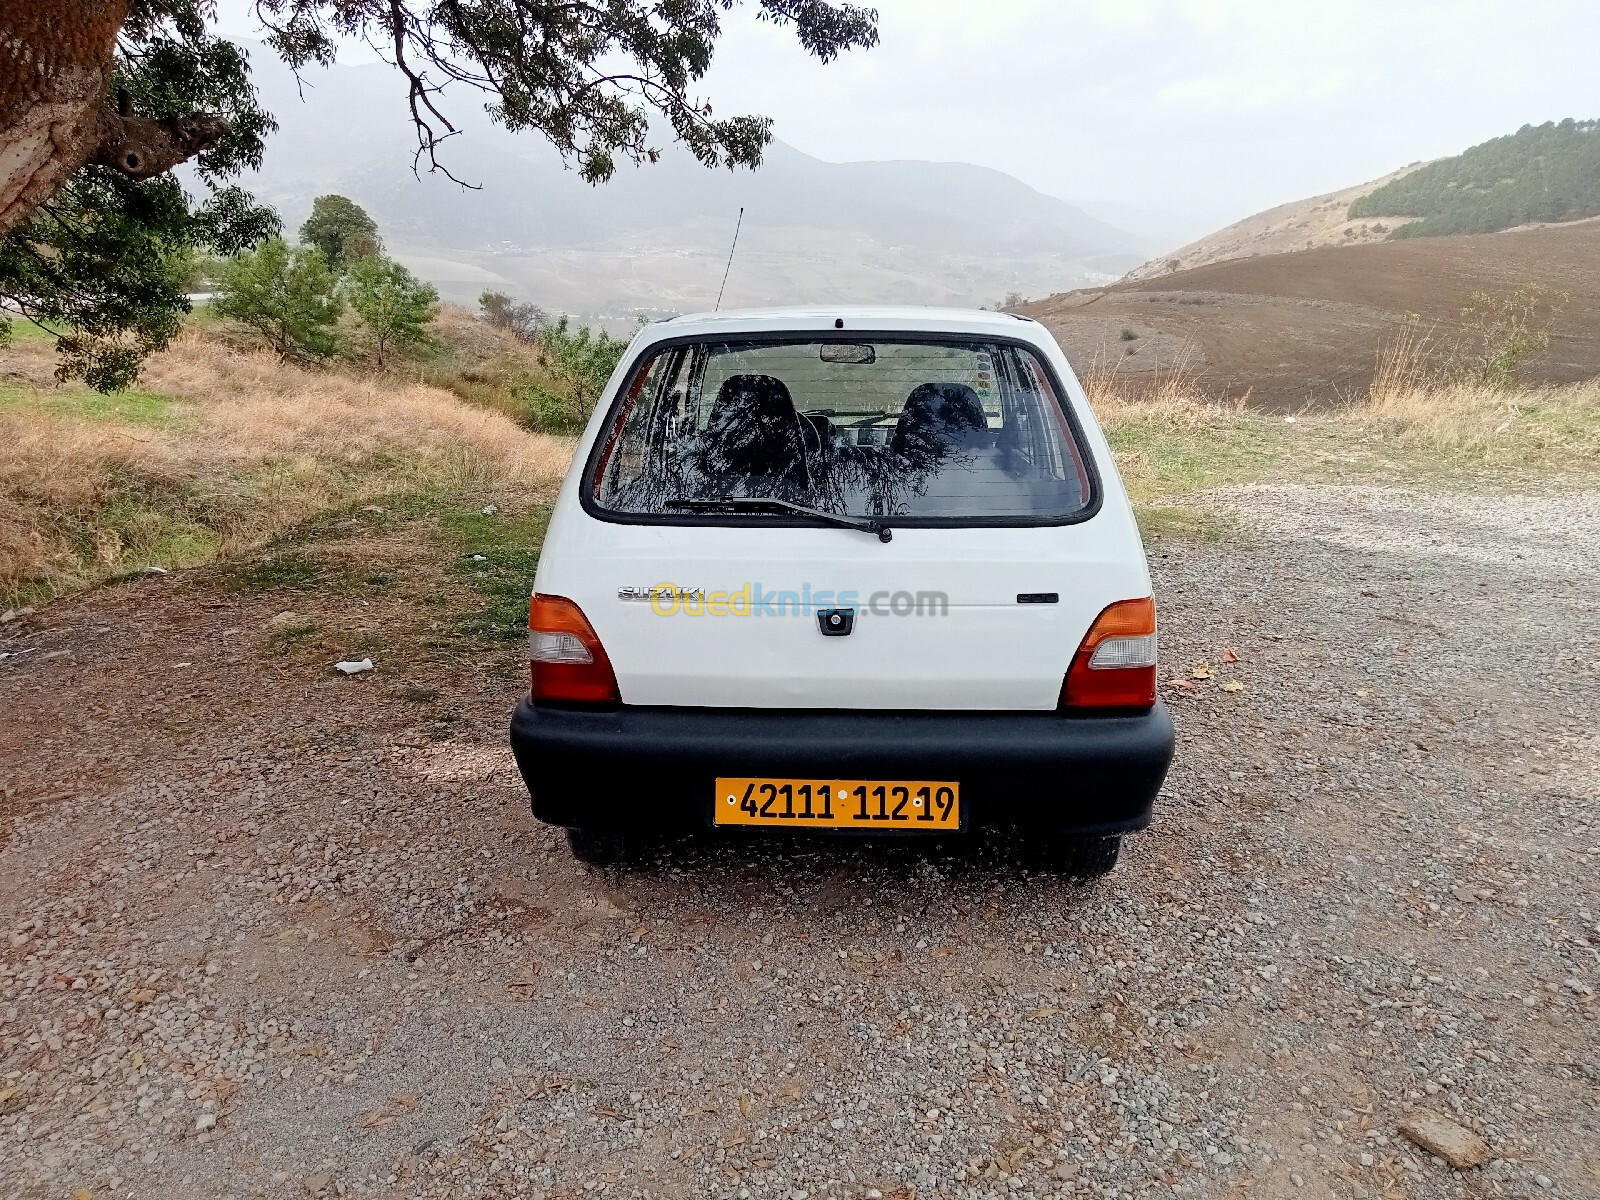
(269, 932)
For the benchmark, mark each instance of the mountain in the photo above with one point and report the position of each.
(1540, 174)
(1299, 225)
(656, 238)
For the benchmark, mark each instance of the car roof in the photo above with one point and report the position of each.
(875, 318)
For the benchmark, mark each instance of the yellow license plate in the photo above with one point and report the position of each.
(888, 806)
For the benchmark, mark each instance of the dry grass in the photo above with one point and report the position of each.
(1420, 425)
(1428, 393)
(249, 449)
(484, 366)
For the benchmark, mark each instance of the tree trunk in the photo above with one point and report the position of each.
(55, 79)
(55, 105)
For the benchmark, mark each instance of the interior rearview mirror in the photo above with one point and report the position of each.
(845, 352)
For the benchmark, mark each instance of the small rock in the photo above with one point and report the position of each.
(489, 510)
(320, 1182)
(205, 1121)
(155, 570)
(287, 620)
(14, 614)
(1439, 1135)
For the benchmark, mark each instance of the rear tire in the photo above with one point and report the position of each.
(1082, 857)
(598, 847)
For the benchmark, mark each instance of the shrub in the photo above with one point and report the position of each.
(579, 363)
(288, 296)
(392, 303)
(504, 312)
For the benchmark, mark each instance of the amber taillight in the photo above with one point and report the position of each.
(566, 661)
(1115, 667)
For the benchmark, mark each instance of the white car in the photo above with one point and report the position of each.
(844, 570)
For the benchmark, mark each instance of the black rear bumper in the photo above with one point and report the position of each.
(657, 767)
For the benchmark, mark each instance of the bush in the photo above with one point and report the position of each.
(290, 297)
(504, 312)
(1502, 331)
(392, 303)
(579, 363)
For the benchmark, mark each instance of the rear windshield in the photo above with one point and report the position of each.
(940, 431)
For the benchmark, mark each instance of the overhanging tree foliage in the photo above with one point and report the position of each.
(98, 98)
(97, 240)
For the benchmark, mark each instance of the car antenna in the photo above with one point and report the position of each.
(737, 226)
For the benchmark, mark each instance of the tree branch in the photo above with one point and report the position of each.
(141, 148)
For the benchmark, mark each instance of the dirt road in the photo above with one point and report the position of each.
(270, 932)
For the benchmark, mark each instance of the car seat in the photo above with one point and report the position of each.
(754, 431)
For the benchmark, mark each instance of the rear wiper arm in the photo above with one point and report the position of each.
(769, 504)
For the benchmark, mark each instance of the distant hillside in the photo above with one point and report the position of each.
(656, 238)
(1540, 174)
(1300, 225)
(1288, 330)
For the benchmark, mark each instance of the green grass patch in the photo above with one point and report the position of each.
(286, 639)
(1191, 523)
(497, 555)
(21, 331)
(147, 409)
(274, 572)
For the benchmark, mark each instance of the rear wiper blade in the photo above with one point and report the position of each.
(769, 504)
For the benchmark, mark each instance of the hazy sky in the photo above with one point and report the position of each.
(1210, 108)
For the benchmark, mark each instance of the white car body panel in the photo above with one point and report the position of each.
(989, 653)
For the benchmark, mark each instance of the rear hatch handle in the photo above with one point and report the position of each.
(735, 504)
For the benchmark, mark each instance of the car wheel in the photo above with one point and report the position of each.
(598, 847)
(1083, 857)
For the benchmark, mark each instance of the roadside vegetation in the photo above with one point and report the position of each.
(324, 379)
(228, 450)
(1445, 409)
(224, 450)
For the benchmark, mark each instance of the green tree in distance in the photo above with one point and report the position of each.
(288, 296)
(1548, 172)
(342, 230)
(121, 91)
(392, 303)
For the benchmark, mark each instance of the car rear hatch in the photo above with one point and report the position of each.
(708, 586)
